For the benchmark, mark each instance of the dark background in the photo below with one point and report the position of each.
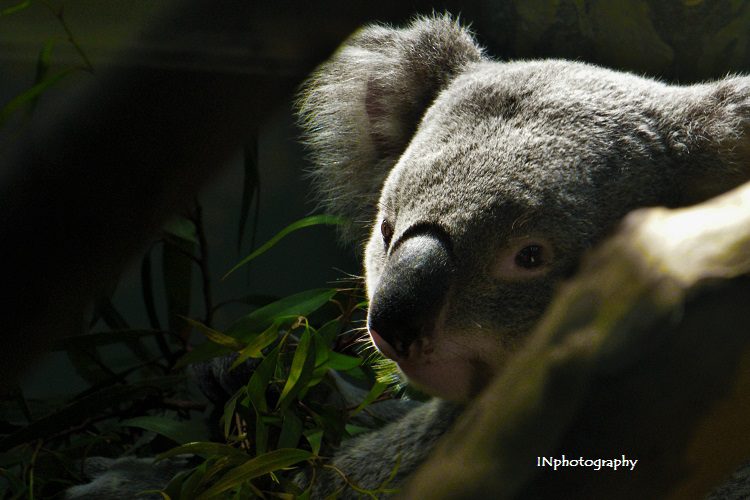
(680, 41)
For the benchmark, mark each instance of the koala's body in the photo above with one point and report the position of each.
(481, 184)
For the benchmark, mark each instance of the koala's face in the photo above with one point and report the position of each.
(492, 179)
(472, 234)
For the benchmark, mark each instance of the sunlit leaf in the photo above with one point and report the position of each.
(269, 462)
(254, 348)
(256, 386)
(248, 327)
(229, 406)
(299, 304)
(342, 362)
(216, 336)
(301, 369)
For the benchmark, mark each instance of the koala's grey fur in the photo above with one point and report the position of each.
(418, 128)
(124, 478)
(472, 159)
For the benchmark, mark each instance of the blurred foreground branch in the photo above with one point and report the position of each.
(645, 354)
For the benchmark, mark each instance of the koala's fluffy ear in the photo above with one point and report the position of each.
(708, 131)
(359, 110)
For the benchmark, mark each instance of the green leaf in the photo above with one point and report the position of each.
(31, 94)
(216, 336)
(248, 327)
(342, 362)
(250, 188)
(205, 450)
(15, 8)
(329, 331)
(291, 430)
(312, 220)
(271, 461)
(315, 438)
(202, 352)
(256, 386)
(182, 228)
(43, 63)
(261, 434)
(174, 487)
(255, 347)
(374, 393)
(229, 407)
(301, 370)
(354, 430)
(299, 304)
(178, 431)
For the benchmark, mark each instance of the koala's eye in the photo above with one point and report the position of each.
(386, 230)
(530, 257)
(523, 258)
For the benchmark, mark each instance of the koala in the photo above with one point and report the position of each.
(478, 185)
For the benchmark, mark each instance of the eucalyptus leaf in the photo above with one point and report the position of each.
(15, 8)
(216, 336)
(250, 188)
(205, 449)
(182, 228)
(258, 466)
(256, 386)
(300, 371)
(374, 393)
(291, 430)
(254, 348)
(313, 220)
(299, 304)
(342, 362)
(31, 94)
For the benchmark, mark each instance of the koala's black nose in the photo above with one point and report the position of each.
(411, 291)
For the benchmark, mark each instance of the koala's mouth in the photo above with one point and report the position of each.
(401, 352)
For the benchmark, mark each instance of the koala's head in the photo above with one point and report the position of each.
(481, 183)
